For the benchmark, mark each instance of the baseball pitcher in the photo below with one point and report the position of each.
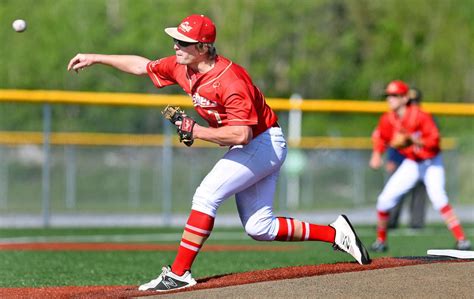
(238, 116)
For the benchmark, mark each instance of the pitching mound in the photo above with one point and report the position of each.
(391, 277)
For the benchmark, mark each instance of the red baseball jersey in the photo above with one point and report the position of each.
(414, 122)
(224, 96)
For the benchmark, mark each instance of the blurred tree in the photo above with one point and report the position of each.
(320, 48)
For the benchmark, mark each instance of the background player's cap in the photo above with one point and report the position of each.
(193, 29)
(397, 87)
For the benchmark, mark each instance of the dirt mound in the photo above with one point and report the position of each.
(236, 279)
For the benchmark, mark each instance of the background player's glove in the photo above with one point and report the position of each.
(400, 140)
(185, 130)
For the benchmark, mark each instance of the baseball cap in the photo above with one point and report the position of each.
(194, 29)
(397, 87)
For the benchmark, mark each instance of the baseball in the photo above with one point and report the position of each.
(19, 25)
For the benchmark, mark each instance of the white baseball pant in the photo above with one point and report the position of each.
(430, 171)
(251, 173)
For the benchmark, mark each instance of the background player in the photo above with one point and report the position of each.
(223, 94)
(417, 196)
(414, 133)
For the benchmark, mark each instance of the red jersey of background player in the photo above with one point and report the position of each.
(223, 96)
(415, 122)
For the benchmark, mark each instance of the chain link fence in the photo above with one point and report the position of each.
(162, 180)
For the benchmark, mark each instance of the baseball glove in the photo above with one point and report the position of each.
(185, 129)
(400, 140)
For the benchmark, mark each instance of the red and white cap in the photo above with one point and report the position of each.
(194, 29)
(397, 87)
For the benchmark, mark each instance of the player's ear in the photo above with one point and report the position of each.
(202, 48)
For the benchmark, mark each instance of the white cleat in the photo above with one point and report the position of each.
(168, 281)
(346, 240)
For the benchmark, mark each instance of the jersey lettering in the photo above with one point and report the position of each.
(202, 101)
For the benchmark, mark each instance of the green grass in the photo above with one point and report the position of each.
(66, 268)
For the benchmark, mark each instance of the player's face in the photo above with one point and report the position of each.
(186, 53)
(395, 102)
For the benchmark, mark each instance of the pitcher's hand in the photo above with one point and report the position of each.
(80, 61)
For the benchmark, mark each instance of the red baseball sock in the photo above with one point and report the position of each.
(294, 230)
(197, 230)
(382, 219)
(452, 222)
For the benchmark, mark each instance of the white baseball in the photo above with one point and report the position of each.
(19, 25)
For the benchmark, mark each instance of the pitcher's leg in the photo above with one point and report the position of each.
(255, 206)
(240, 168)
(197, 230)
(216, 187)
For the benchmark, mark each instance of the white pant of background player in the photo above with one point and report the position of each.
(430, 171)
(251, 173)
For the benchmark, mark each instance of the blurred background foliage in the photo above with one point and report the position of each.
(337, 49)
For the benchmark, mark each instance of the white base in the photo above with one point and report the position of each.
(460, 254)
